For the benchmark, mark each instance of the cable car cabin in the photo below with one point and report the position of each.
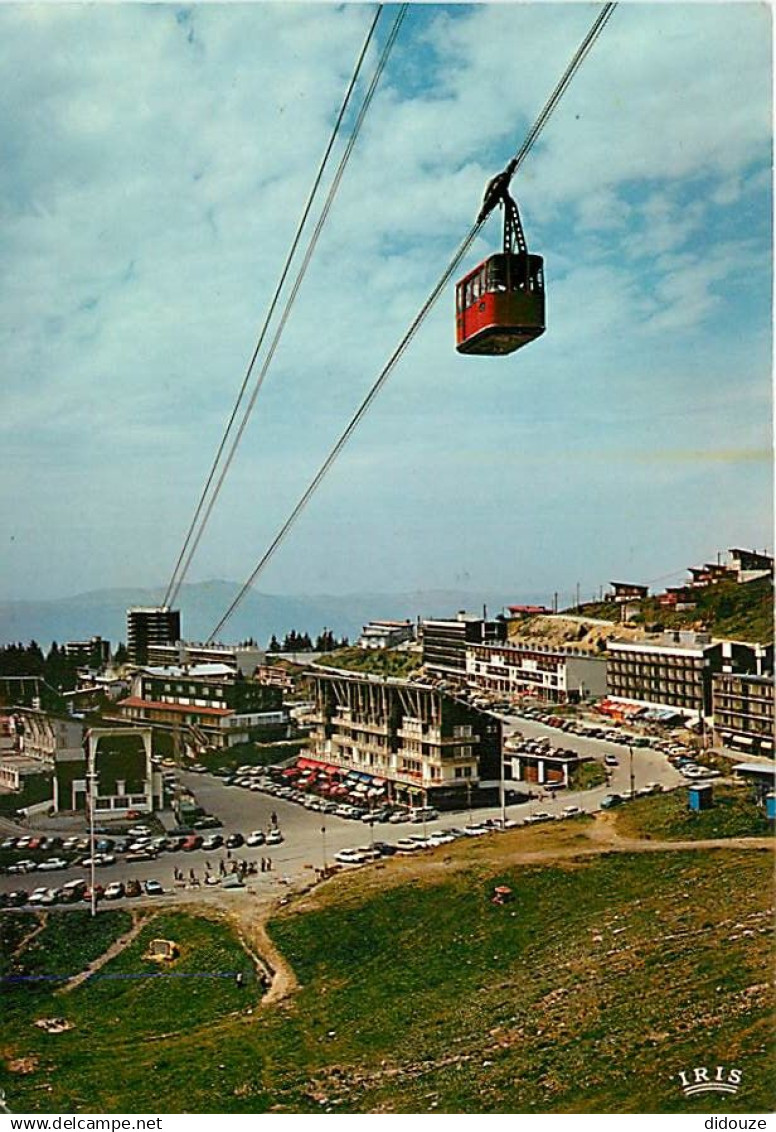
(500, 304)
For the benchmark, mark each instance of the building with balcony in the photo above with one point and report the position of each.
(386, 634)
(750, 564)
(554, 673)
(210, 705)
(415, 741)
(743, 710)
(445, 642)
(626, 592)
(149, 626)
(674, 670)
(94, 653)
(241, 658)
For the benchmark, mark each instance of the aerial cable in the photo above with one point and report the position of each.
(500, 183)
(175, 581)
(463, 248)
(298, 282)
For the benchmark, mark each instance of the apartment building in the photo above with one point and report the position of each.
(743, 710)
(386, 634)
(414, 740)
(149, 626)
(445, 642)
(241, 658)
(676, 669)
(557, 674)
(211, 704)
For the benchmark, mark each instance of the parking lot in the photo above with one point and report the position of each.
(313, 840)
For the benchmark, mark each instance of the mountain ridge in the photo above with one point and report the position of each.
(202, 604)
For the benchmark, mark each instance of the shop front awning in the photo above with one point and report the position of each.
(309, 764)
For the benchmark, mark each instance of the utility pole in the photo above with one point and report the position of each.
(91, 776)
(323, 839)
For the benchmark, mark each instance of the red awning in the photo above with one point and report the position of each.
(290, 772)
(309, 764)
(333, 769)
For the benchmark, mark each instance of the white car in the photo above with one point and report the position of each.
(255, 838)
(571, 811)
(114, 891)
(540, 815)
(274, 837)
(51, 864)
(441, 838)
(38, 896)
(350, 857)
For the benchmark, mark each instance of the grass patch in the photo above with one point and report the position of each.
(382, 662)
(422, 996)
(586, 776)
(668, 817)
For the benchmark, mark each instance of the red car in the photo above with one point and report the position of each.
(191, 843)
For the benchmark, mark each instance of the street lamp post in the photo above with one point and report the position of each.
(323, 839)
(91, 776)
(632, 778)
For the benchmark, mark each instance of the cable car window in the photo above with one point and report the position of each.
(497, 274)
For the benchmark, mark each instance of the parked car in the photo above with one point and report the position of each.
(147, 854)
(153, 887)
(274, 837)
(114, 891)
(191, 843)
(611, 760)
(132, 888)
(350, 857)
(73, 890)
(611, 800)
(214, 841)
(570, 811)
(234, 841)
(255, 838)
(25, 866)
(539, 816)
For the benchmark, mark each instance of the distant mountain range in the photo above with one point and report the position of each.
(103, 612)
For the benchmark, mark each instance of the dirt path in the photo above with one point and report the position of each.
(30, 935)
(139, 921)
(250, 919)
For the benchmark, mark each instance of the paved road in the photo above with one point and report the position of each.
(306, 845)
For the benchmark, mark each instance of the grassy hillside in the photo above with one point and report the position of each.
(735, 612)
(604, 978)
(383, 662)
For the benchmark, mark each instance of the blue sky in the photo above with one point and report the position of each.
(155, 160)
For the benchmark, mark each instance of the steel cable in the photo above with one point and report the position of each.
(175, 581)
(382, 377)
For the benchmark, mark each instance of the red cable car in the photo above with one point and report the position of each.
(500, 304)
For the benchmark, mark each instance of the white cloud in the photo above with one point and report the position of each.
(155, 163)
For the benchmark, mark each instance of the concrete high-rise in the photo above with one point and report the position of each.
(148, 626)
